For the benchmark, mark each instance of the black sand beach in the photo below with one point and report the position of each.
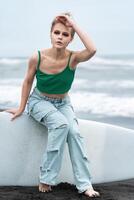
(120, 190)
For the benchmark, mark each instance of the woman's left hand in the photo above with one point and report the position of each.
(67, 20)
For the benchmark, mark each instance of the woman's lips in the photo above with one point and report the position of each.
(59, 43)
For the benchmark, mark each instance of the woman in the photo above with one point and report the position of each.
(49, 103)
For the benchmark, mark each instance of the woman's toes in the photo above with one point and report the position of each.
(96, 194)
(91, 193)
(50, 189)
(44, 188)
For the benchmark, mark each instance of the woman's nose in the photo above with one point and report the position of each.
(60, 36)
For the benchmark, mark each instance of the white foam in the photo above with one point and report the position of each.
(11, 82)
(103, 104)
(12, 61)
(108, 61)
(10, 93)
(81, 83)
(95, 103)
(10, 90)
(87, 84)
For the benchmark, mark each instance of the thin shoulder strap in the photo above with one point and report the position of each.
(39, 59)
(69, 57)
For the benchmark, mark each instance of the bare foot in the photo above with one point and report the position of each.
(91, 192)
(44, 187)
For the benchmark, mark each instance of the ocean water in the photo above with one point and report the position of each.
(103, 89)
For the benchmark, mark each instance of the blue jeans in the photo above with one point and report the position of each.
(57, 114)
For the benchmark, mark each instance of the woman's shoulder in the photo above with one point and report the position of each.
(45, 51)
(33, 58)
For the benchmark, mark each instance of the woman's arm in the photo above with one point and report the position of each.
(28, 81)
(26, 86)
(86, 54)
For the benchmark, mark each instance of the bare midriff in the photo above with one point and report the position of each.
(55, 95)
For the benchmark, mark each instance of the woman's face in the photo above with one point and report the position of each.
(60, 36)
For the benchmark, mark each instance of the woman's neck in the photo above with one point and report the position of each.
(58, 54)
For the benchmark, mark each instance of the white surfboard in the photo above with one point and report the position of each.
(22, 143)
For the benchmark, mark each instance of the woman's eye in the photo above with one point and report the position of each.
(66, 34)
(56, 32)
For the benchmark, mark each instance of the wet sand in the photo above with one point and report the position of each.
(120, 190)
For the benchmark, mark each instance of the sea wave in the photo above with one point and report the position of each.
(11, 82)
(86, 84)
(103, 104)
(111, 61)
(95, 60)
(12, 61)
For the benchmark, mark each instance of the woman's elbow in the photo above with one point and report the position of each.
(94, 51)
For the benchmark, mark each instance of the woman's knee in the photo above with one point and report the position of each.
(62, 124)
(74, 130)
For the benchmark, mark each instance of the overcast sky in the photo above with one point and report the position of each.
(25, 24)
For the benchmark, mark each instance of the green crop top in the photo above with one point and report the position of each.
(58, 83)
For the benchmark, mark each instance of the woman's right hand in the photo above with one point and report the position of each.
(15, 112)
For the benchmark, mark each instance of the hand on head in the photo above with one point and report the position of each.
(65, 18)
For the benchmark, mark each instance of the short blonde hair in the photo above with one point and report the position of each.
(56, 21)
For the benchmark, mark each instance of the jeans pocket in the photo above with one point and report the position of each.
(30, 103)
